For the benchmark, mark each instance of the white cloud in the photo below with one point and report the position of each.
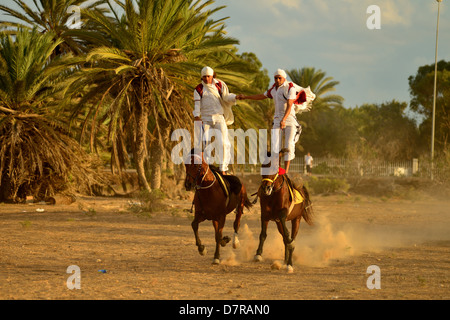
(290, 3)
(322, 6)
(399, 12)
(270, 4)
(333, 36)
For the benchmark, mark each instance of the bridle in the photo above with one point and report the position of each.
(198, 186)
(272, 181)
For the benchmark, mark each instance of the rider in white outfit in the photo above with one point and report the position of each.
(212, 101)
(284, 117)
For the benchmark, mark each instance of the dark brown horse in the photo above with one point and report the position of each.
(213, 202)
(276, 200)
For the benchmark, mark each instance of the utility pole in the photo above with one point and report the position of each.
(435, 89)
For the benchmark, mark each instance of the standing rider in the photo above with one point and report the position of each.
(284, 117)
(212, 108)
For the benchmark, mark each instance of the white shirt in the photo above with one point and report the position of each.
(281, 103)
(209, 104)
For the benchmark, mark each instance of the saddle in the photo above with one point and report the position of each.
(228, 183)
(294, 194)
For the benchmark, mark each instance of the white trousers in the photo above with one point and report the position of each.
(291, 135)
(219, 150)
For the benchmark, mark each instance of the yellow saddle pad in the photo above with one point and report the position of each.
(295, 196)
(223, 185)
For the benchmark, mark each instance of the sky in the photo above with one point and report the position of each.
(371, 65)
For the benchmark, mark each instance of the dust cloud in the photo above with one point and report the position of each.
(315, 248)
(325, 241)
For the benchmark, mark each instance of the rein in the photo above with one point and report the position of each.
(199, 186)
(272, 181)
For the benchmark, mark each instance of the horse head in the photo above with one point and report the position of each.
(268, 183)
(268, 178)
(270, 174)
(196, 167)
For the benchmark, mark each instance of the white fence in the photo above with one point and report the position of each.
(360, 168)
(345, 167)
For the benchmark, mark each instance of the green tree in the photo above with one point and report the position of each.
(148, 72)
(421, 88)
(329, 133)
(385, 130)
(253, 114)
(37, 156)
(54, 16)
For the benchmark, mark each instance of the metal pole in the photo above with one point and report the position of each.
(435, 89)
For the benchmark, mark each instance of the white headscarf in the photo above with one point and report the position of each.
(280, 72)
(228, 113)
(207, 71)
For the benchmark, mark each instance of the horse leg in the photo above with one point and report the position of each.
(282, 232)
(236, 224)
(289, 245)
(218, 227)
(295, 227)
(262, 238)
(198, 243)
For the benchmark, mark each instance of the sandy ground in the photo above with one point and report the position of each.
(153, 256)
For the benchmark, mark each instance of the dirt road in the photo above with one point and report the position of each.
(155, 257)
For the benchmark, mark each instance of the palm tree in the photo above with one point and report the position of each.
(148, 72)
(56, 16)
(37, 156)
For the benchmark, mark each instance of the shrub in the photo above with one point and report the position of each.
(328, 185)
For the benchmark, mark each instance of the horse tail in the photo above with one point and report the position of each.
(247, 203)
(307, 213)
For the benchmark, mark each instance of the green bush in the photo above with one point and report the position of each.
(322, 168)
(146, 202)
(327, 185)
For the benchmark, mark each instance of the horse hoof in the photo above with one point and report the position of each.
(216, 261)
(236, 243)
(224, 241)
(290, 269)
(202, 250)
(258, 258)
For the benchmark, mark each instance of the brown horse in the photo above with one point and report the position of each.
(213, 202)
(276, 200)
